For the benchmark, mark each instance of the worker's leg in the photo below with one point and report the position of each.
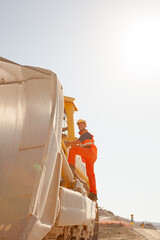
(83, 152)
(90, 173)
(90, 158)
(73, 151)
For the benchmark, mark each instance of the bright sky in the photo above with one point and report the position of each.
(106, 54)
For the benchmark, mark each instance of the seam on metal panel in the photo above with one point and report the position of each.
(23, 81)
(28, 148)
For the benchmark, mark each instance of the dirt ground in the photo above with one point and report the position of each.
(118, 232)
(113, 227)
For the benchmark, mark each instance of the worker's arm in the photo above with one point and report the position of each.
(73, 143)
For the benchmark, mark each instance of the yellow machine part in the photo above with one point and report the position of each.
(69, 110)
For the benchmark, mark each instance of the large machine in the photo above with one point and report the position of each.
(39, 198)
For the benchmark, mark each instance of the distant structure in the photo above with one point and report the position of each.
(142, 225)
(132, 219)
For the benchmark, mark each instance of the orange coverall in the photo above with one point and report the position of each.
(88, 152)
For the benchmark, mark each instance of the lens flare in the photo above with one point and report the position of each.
(37, 167)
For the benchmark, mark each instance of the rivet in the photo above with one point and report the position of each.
(2, 80)
(4, 238)
(7, 228)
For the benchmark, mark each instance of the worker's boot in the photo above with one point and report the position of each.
(85, 185)
(93, 196)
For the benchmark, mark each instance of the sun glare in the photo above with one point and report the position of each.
(140, 46)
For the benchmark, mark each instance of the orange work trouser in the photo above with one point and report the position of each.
(90, 156)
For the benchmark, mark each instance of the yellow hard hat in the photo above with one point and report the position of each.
(81, 121)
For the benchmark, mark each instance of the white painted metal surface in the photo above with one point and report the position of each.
(31, 113)
(75, 209)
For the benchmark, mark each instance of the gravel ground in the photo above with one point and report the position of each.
(118, 232)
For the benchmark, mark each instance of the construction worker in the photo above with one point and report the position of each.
(84, 146)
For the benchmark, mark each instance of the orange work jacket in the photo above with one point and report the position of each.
(88, 142)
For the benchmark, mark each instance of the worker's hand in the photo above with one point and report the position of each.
(64, 129)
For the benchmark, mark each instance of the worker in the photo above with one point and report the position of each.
(85, 147)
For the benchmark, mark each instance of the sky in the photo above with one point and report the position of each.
(106, 54)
